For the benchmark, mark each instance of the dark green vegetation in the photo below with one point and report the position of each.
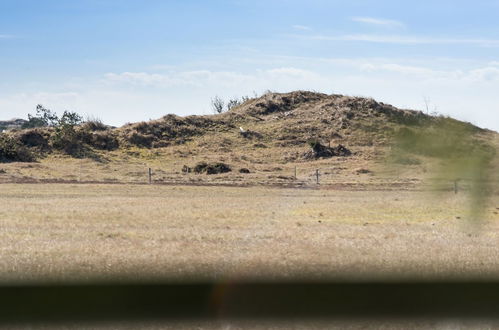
(321, 151)
(45, 132)
(12, 150)
(214, 168)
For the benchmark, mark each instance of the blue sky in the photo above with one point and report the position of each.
(131, 60)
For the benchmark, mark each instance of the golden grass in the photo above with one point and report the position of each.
(79, 232)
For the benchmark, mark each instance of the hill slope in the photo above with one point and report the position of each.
(271, 137)
(292, 118)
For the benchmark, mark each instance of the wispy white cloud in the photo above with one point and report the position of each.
(6, 36)
(197, 78)
(378, 21)
(398, 68)
(407, 40)
(290, 71)
(258, 79)
(299, 77)
(135, 96)
(302, 28)
(485, 74)
(140, 78)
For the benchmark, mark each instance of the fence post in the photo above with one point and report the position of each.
(150, 175)
(79, 174)
(295, 172)
(317, 175)
(456, 186)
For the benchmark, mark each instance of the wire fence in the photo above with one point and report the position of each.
(291, 176)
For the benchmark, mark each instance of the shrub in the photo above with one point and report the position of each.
(322, 151)
(140, 140)
(35, 137)
(214, 168)
(65, 137)
(200, 167)
(104, 140)
(94, 125)
(13, 151)
(235, 102)
(218, 104)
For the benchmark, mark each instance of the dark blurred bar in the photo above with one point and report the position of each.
(217, 301)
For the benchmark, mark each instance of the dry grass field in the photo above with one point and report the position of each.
(79, 232)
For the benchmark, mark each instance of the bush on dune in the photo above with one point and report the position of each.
(12, 150)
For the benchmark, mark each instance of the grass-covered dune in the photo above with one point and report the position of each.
(282, 138)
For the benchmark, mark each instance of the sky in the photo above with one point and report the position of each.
(132, 60)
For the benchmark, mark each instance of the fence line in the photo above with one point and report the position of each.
(320, 174)
(295, 175)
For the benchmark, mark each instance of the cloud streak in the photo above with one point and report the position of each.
(297, 77)
(378, 21)
(197, 78)
(153, 94)
(302, 28)
(407, 40)
(291, 77)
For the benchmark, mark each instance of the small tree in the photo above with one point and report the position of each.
(69, 119)
(65, 136)
(217, 104)
(233, 103)
(43, 118)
